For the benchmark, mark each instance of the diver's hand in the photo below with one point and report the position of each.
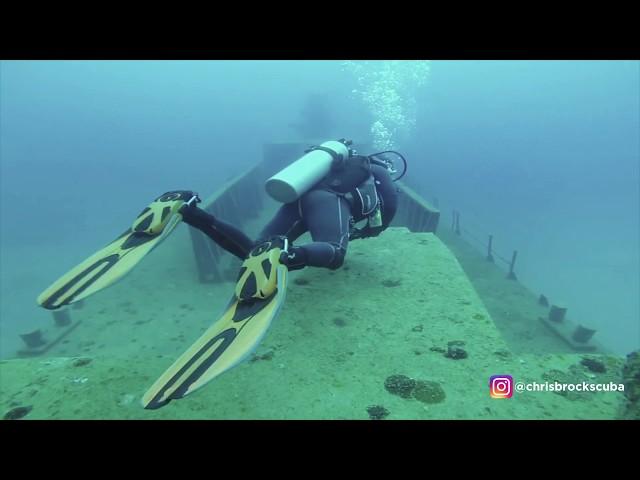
(365, 232)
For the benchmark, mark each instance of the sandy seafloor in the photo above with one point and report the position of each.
(391, 310)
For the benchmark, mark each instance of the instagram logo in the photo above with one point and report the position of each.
(501, 386)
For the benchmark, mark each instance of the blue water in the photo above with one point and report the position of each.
(543, 155)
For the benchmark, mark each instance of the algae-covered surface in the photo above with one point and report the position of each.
(397, 333)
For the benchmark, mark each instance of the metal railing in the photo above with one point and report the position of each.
(487, 246)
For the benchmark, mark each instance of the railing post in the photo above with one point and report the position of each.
(512, 275)
(557, 313)
(489, 253)
(582, 334)
(61, 317)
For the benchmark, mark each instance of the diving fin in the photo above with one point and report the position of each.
(115, 260)
(259, 295)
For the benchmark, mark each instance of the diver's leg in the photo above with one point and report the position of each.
(327, 217)
(287, 221)
(224, 234)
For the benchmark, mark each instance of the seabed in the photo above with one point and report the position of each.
(402, 305)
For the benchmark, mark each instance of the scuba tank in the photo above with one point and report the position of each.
(292, 182)
(335, 166)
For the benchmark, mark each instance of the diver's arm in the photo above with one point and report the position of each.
(389, 193)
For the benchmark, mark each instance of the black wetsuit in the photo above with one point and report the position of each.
(324, 213)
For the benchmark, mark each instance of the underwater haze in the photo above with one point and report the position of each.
(84, 145)
(543, 155)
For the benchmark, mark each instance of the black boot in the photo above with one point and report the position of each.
(294, 259)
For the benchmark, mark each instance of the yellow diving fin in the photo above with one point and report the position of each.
(259, 295)
(110, 264)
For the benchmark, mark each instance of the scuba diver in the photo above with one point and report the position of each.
(329, 192)
(357, 188)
